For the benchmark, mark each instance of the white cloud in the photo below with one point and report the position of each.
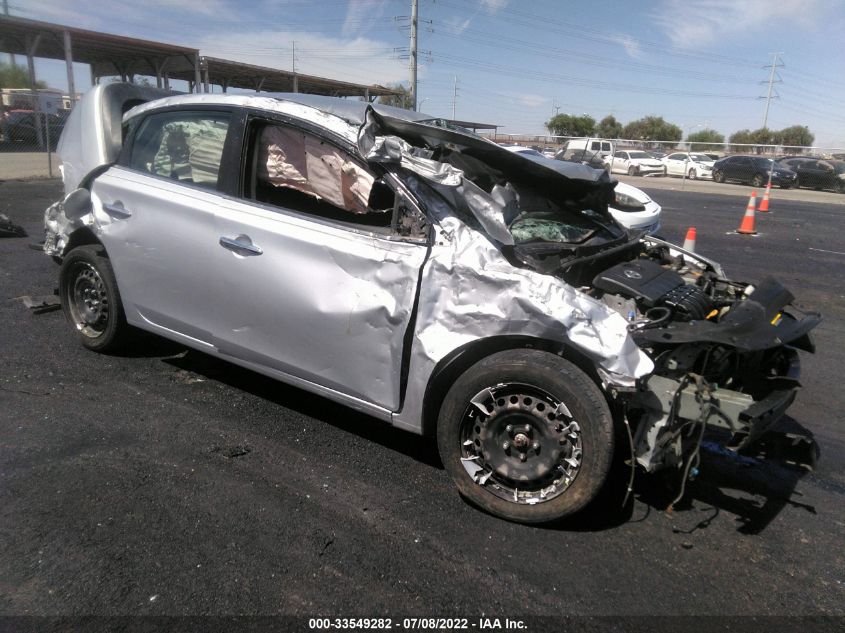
(690, 23)
(360, 60)
(532, 101)
(631, 46)
(361, 15)
(458, 26)
(494, 6)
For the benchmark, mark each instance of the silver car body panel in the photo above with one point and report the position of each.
(328, 308)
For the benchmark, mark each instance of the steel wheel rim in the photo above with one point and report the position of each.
(89, 304)
(520, 443)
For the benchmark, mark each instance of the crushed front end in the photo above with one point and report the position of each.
(725, 353)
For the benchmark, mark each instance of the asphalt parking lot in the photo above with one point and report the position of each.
(166, 482)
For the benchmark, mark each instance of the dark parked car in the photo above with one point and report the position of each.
(754, 170)
(816, 173)
(20, 127)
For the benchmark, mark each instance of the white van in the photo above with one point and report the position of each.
(590, 147)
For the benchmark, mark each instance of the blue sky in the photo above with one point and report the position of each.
(695, 62)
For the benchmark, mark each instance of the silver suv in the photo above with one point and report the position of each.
(421, 274)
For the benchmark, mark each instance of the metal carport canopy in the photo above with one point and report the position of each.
(106, 53)
(229, 74)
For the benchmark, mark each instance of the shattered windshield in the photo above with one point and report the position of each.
(552, 227)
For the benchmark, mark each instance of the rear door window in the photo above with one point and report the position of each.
(183, 146)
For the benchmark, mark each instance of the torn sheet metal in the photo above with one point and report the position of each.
(469, 291)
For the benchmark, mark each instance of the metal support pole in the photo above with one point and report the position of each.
(31, 48)
(205, 79)
(413, 56)
(6, 12)
(71, 87)
(293, 67)
(197, 78)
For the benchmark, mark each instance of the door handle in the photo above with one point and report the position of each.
(241, 245)
(117, 210)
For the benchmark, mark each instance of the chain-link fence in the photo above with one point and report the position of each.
(821, 168)
(30, 126)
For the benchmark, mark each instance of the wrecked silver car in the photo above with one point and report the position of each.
(421, 274)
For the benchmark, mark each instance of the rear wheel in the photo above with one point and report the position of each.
(90, 298)
(691, 175)
(526, 435)
(757, 180)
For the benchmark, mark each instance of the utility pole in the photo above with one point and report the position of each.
(414, 4)
(293, 66)
(771, 84)
(454, 97)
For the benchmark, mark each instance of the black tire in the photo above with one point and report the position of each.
(757, 180)
(529, 405)
(718, 175)
(691, 174)
(633, 170)
(91, 300)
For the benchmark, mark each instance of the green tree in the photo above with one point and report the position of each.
(401, 100)
(609, 127)
(795, 137)
(739, 141)
(652, 128)
(571, 125)
(700, 141)
(16, 77)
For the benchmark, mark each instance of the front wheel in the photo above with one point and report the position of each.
(526, 435)
(718, 176)
(757, 181)
(90, 298)
(633, 170)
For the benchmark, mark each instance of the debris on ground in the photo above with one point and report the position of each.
(9, 228)
(185, 377)
(41, 303)
(230, 452)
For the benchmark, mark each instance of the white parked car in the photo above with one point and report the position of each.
(692, 164)
(633, 163)
(632, 208)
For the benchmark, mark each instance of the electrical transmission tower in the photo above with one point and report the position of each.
(776, 63)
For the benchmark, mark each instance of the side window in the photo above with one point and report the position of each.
(595, 146)
(605, 147)
(295, 170)
(620, 155)
(183, 146)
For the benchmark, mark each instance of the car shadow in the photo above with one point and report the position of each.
(752, 490)
(422, 449)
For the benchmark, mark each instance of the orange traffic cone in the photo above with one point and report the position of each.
(747, 226)
(689, 242)
(764, 204)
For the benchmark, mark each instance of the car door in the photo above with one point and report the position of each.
(155, 214)
(318, 282)
(619, 162)
(675, 164)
